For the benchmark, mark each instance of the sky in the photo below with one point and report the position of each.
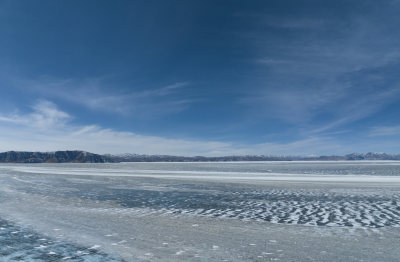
(186, 77)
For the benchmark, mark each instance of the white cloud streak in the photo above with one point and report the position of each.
(319, 82)
(385, 131)
(95, 94)
(48, 128)
(45, 115)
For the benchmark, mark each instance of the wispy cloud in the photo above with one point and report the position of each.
(47, 128)
(385, 131)
(98, 95)
(322, 73)
(45, 115)
(356, 108)
(284, 22)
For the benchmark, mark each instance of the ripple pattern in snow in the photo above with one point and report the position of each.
(295, 208)
(356, 201)
(287, 206)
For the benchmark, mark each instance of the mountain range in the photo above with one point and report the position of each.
(86, 157)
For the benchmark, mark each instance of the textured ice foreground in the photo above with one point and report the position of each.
(289, 211)
(17, 244)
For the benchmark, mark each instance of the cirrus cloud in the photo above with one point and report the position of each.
(47, 128)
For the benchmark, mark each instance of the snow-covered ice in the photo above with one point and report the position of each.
(287, 211)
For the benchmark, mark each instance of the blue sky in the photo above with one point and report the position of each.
(200, 77)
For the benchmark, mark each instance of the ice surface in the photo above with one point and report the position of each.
(298, 211)
(18, 244)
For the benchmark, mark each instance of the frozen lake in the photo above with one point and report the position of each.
(240, 211)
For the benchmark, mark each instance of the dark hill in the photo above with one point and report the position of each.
(51, 157)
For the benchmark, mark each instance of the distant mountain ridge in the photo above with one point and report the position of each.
(86, 157)
(168, 158)
(51, 157)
